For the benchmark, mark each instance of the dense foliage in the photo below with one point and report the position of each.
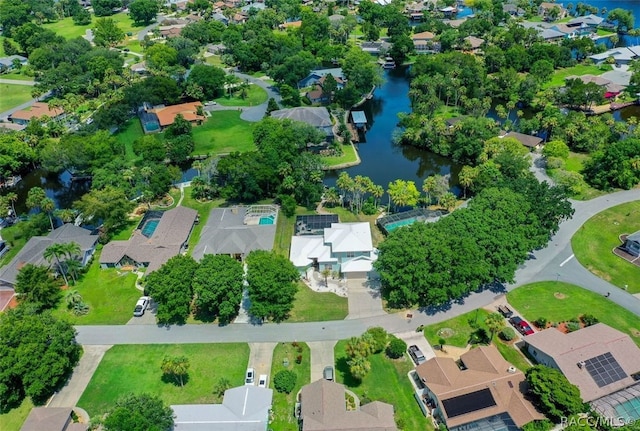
(139, 412)
(218, 285)
(615, 165)
(284, 381)
(272, 280)
(170, 287)
(37, 288)
(37, 354)
(553, 393)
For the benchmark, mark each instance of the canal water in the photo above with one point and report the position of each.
(382, 160)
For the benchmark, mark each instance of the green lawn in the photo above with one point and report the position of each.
(283, 404)
(349, 155)
(558, 301)
(224, 132)
(203, 208)
(16, 239)
(136, 368)
(575, 162)
(67, 29)
(460, 326)
(124, 233)
(255, 96)
(595, 240)
(310, 306)
(110, 295)
(511, 354)
(13, 95)
(560, 75)
(285, 229)
(131, 131)
(215, 60)
(13, 419)
(18, 76)
(387, 382)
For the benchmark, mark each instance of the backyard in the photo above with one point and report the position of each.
(387, 382)
(349, 155)
(283, 404)
(558, 302)
(203, 208)
(311, 306)
(136, 368)
(594, 242)
(14, 95)
(560, 75)
(224, 132)
(255, 96)
(129, 133)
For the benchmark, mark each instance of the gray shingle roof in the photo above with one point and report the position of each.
(317, 117)
(50, 419)
(33, 250)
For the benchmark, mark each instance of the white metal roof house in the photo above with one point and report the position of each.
(343, 247)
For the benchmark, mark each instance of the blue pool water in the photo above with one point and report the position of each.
(629, 410)
(266, 220)
(396, 224)
(150, 227)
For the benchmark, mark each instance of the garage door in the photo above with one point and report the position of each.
(357, 275)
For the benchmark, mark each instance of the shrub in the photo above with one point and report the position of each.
(543, 425)
(540, 322)
(480, 336)
(379, 337)
(284, 381)
(369, 208)
(556, 149)
(573, 326)
(396, 348)
(555, 163)
(589, 319)
(299, 359)
(507, 334)
(288, 205)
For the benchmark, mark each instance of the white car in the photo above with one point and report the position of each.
(250, 377)
(262, 381)
(211, 103)
(141, 306)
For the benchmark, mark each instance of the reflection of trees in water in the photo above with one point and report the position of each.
(59, 187)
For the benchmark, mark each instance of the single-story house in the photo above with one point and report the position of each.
(483, 392)
(215, 48)
(632, 244)
(317, 117)
(323, 408)
(169, 31)
(37, 110)
(551, 35)
(217, 16)
(189, 111)
(591, 20)
(254, 5)
(376, 48)
(611, 88)
(52, 419)
(237, 231)
(157, 239)
(423, 42)
(529, 141)
(6, 63)
(475, 43)
(33, 250)
(545, 8)
(12, 126)
(245, 408)
(598, 359)
(621, 55)
(343, 247)
(513, 10)
(316, 75)
(139, 68)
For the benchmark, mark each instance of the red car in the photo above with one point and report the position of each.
(521, 325)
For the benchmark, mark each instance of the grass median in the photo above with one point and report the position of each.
(283, 404)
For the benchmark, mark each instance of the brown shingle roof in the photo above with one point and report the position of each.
(37, 110)
(485, 369)
(167, 115)
(567, 350)
(171, 233)
(324, 409)
(425, 35)
(526, 140)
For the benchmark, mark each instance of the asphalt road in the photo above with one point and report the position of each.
(545, 265)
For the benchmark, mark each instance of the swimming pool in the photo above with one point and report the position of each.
(629, 410)
(266, 220)
(150, 227)
(396, 224)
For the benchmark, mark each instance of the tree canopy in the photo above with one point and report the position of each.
(36, 287)
(143, 11)
(139, 412)
(553, 393)
(170, 287)
(218, 285)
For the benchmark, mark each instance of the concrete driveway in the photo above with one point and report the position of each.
(364, 298)
(260, 358)
(69, 395)
(148, 318)
(419, 340)
(321, 356)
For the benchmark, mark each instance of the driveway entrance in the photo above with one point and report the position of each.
(364, 298)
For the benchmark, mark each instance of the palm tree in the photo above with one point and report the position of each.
(177, 366)
(466, 177)
(66, 215)
(55, 251)
(448, 201)
(12, 198)
(326, 272)
(47, 205)
(359, 367)
(428, 186)
(494, 322)
(198, 165)
(73, 266)
(72, 297)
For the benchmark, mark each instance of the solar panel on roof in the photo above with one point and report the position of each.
(468, 403)
(315, 223)
(604, 369)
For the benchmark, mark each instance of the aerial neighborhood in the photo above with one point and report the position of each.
(319, 215)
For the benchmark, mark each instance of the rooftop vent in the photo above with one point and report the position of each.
(511, 369)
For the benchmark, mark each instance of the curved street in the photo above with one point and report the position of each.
(549, 263)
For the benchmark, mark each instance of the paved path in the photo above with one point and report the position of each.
(256, 113)
(25, 105)
(418, 339)
(69, 395)
(544, 265)
(364, 298)
(321, 356)
(17, 82)
(260, 358)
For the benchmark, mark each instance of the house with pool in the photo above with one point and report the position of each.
(601, 361)
(346, 248)
(160, 235)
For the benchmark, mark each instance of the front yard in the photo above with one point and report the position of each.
(136, 369)
(283, 404)
(255, 95)
(594, 242)
(311, 306)
(13, 419)
(457, 331)
(14, 95)
(224, 132)
(557, 302)
(387, 382)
